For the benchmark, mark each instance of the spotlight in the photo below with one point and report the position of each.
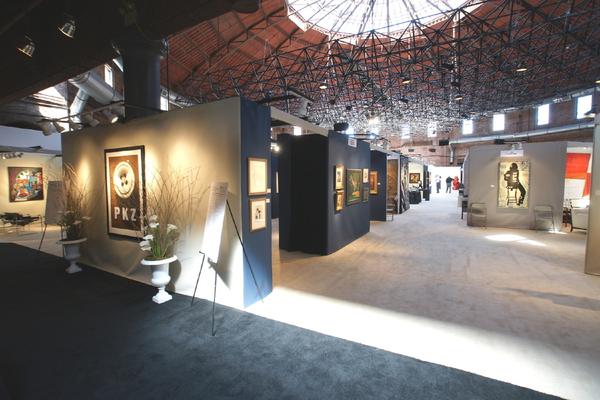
(405, 81)
(27, 47)
(458, 97)
(597, 81)
(67, 27)
(58, 126)
(323, 86)
(47, 127)
(521, 68)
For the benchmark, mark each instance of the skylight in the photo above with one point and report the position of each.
(349, 17)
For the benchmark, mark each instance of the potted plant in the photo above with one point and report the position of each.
(72, 215)
(171, 203)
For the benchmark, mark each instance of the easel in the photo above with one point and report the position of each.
(214, 265)
(53, 201)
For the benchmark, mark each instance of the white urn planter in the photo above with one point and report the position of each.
(72, 254)
(160, 277)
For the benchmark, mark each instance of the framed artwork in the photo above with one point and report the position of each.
(339, 200)
(125, 190)
(414, 177)
(257, 176)
(339, 177)
(373, 189)
(25, 184)
(513, 184)
(365, 194)
(353, 186)
(365, 175)
(258, 214)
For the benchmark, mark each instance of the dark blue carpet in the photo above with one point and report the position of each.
(97, 336)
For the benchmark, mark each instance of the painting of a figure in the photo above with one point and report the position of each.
(353, 186)
(25, 184)
(513, 184)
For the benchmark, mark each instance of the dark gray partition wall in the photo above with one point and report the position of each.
(274, 185)
(378, 201)
(217, 138)
(308, 221)
(403, 190)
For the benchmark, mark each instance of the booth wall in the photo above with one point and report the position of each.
(208, 137)
(377, 201)
(51, 168)
(546, 182)
(393, 182)
(274, 191)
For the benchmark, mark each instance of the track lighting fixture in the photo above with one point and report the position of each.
(27, 46)
(67, 27)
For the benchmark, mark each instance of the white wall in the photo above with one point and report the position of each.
(51, 169)
(17, 137)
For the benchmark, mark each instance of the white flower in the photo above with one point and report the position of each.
(171, 227)
(149, 237)
(146, 248)
(144, 243)
(153, 225)
(153, 218)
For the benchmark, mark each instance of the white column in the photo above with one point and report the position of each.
(592, 251)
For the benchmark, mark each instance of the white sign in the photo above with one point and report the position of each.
(511, 153)
(352, 142)
(215, 215)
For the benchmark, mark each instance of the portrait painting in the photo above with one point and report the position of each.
(25, 184)
(125, 190)
(513, 184)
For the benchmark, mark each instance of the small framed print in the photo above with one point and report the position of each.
(339, 177)
(339, 200)
(257, 176)
(373, 182)
(414, 177)
(258, 214)
(365, 175)
(365, 194)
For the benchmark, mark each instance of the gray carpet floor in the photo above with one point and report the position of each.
(94, 335)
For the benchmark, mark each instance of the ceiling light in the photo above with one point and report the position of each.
(597, 81)
(458, 97)
(323, 86)
(521, 68)
(27, 47)
(405, 81)
(67, 27)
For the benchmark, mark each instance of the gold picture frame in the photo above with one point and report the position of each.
(339, 200)
(373, 189)
(258, 214)
(257, 176)
(339, 177)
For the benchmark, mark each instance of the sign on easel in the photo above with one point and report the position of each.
(215, 216)
(54, 197)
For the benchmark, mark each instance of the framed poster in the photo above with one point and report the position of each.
(353, 186)
(339, 200)
(414, 177)
(365, 194)
(125, 190)
(373, 189)
(258, 214)
(25, 184)
(513, 184)
(365, 175)
(257, 176)
(339, 177)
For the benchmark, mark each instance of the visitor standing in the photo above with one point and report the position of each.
(449, 184)
(438, 183)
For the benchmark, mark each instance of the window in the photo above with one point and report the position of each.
(498, 122)
(467, 126)
(108, 75)
(584, 104)
(164, 103)
(431, 129)
(543, 114)
(297, 131)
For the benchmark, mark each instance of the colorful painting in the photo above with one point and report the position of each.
(25, 184)
(373, 189)
(339, 200)
(353, 186)
(258, 214)
(257, 176)
(414, 177)
(513, 184)
(125, 190)
(339, 177)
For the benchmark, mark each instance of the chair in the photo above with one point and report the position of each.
(511, 196)
(543, 218)
(477, 215)
(579, 218)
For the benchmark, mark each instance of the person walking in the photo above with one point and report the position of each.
(449, 184)
(438, 183)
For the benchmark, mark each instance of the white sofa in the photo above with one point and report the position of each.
(579, 218)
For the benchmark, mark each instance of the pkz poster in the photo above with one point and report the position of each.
(125, 190)
(513, 184)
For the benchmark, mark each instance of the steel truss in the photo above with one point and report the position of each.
(476, 54)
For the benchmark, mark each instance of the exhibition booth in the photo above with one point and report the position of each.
(529, 185)
(397, 183)
(227, 144)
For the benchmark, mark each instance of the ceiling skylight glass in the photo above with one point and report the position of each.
(349, 17)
